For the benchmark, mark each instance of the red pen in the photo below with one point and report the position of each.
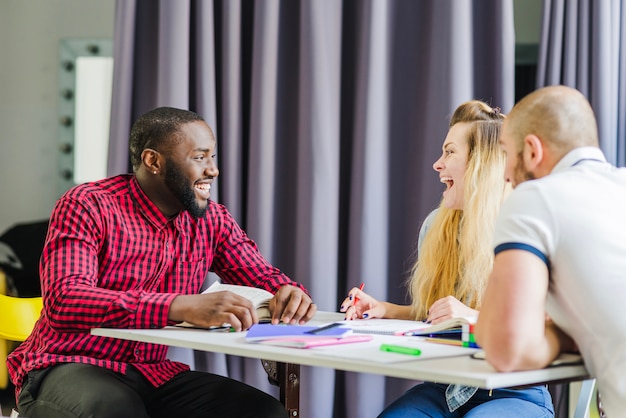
(356, 298)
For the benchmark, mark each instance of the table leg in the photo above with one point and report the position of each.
(289, 378)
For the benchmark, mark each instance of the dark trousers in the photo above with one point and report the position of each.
(79, 390)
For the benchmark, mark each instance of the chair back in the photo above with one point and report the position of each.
(18, 316)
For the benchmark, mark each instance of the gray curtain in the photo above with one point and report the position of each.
(583, 45)
(328, 115)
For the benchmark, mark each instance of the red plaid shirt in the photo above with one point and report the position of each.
(112, 259)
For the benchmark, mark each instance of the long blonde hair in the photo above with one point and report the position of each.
(456, 256)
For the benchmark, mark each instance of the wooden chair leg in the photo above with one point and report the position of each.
(287, 377)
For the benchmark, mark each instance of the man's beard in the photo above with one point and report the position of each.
(178, 185)
(520, 174)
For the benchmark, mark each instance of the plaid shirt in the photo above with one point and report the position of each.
(112, 259)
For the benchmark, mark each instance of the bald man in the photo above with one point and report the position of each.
(560, 247)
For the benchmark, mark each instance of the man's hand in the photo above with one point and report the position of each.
(291, 305)
(566, 343)
(214, 309)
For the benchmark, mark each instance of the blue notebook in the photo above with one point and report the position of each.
(258, 332)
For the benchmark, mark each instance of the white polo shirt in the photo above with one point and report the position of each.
(575, 221)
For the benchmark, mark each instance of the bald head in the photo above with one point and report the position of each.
(560, 116)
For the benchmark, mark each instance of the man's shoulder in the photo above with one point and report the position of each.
(217, 215)
(215, 209)
(110, 185)
(545, 186)
(575, 181)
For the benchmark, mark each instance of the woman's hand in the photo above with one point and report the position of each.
(365, 306)
(448, 307)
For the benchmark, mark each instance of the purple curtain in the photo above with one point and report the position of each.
(583, 45)
(328, 115)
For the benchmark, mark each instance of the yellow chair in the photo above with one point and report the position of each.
(17, 318)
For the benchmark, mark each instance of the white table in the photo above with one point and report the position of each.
(462, 369)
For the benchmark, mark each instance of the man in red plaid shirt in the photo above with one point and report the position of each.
(132, 251)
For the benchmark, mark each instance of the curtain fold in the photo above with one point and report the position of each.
(369, 190)
(317, 159)
(121, 96)
(329, 115)
(583, 45)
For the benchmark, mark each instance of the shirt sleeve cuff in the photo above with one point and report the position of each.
(155, 308)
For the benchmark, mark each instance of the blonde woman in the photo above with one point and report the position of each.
(455, 258)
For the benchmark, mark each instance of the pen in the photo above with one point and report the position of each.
(450, 333)
(323, 328)
(221, 328)
(213, 328)
(400, 349)
(445, 341)
(356, 298)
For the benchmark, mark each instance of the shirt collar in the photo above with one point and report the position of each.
(146, 206)
(578, 155)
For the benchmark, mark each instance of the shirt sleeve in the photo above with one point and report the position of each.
(238, 260)
(525, 222)
(425, 227)
(69, 270)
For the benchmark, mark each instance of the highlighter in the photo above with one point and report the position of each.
(400, 349)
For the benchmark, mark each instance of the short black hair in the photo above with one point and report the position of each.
(154, 128)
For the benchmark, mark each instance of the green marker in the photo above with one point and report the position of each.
(400, 349)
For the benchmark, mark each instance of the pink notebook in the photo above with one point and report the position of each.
(308, 342)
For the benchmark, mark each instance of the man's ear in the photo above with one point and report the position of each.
(151, 160)
(533, 152)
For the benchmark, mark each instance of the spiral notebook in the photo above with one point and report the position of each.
(380, 326)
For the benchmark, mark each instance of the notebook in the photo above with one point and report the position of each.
(381, 326)
(260, 332)
(314, 341)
